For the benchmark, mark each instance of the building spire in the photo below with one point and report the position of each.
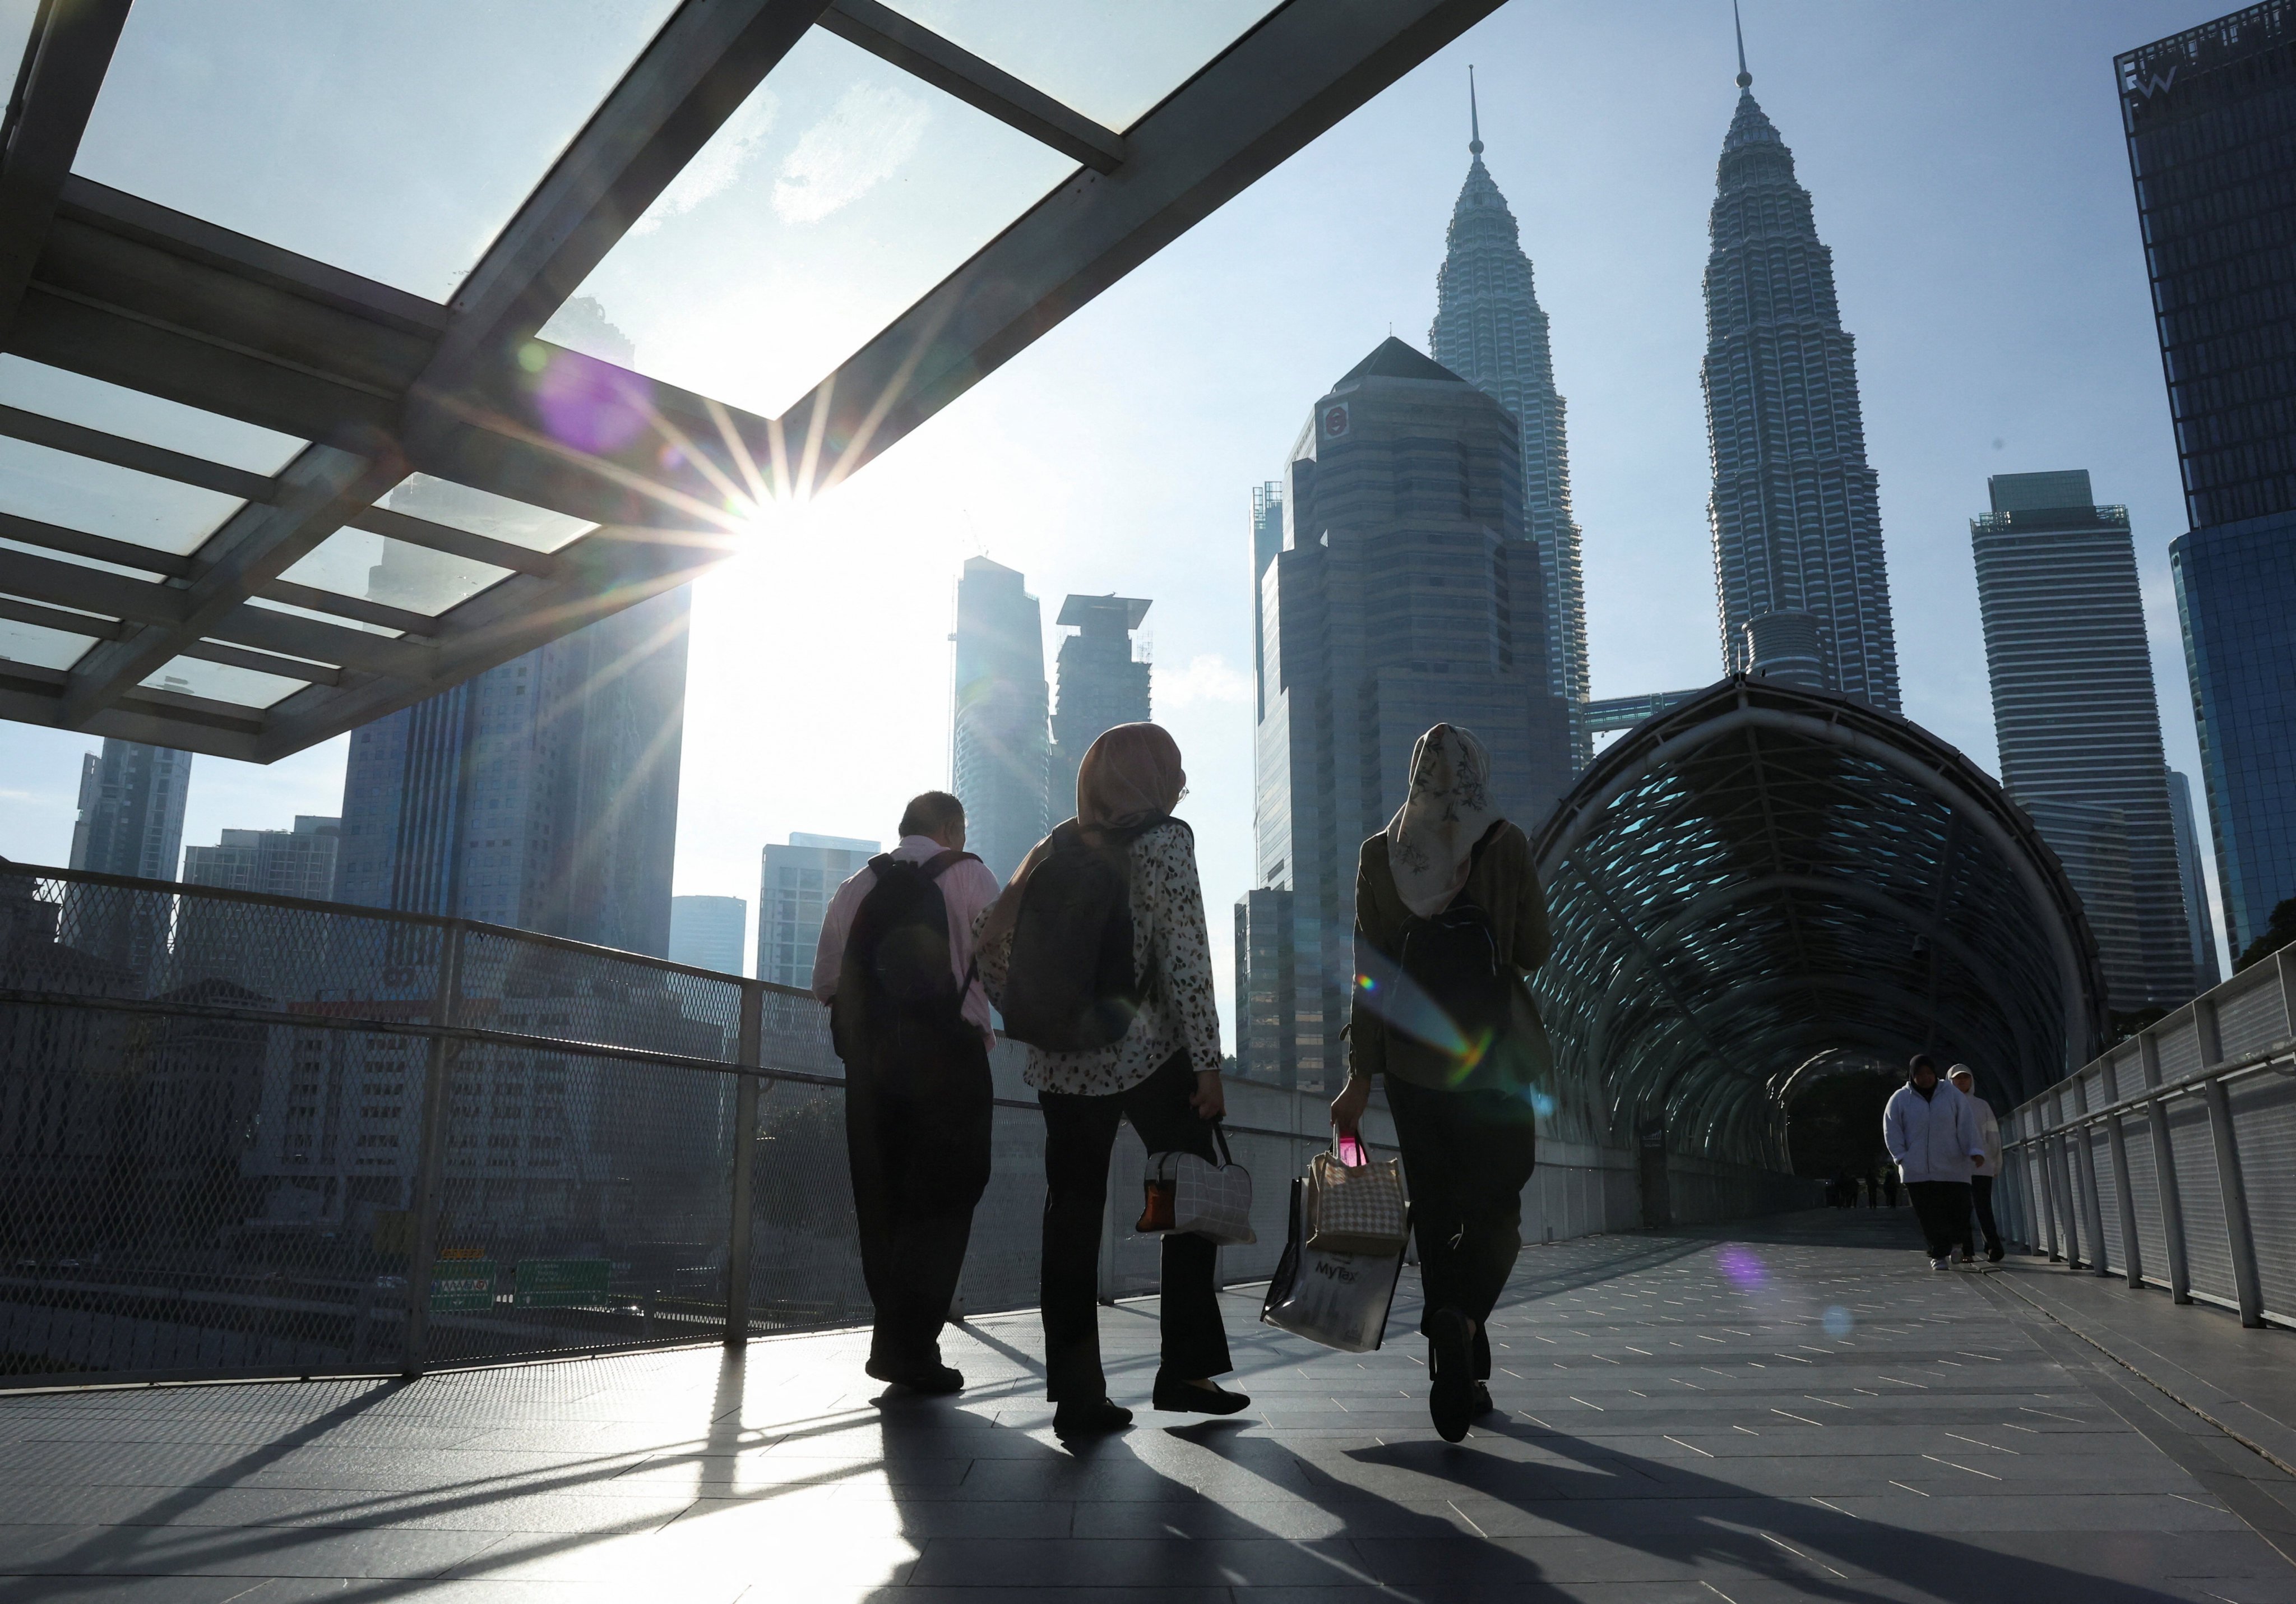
(1474, 118)
(1745, 79)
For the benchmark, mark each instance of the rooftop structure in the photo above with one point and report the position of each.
(297, 862)
(1104, 682)
(213, 309)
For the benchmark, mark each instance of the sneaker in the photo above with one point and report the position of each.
(1089, 1417)
(1176, 1396)
(1451, 1401)
(1941, 1263)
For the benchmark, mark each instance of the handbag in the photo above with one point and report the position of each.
(1187, 1193)
(1355, 1208)
(1340, 1300)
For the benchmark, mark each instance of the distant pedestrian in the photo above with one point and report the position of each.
(1890, 1185)
(912, 1024)
(1980, 1180)
(1449, 923)
(1874, 1193)
(1116, 1035)
(1932, 1131)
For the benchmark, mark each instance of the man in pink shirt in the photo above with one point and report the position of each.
(913, 1026)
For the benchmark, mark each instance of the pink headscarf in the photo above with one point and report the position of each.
(1128, 776)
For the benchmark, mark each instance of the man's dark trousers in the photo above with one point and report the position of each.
(1942, 1208)
(1467, 1155)
(916, 1138)
(1980, 1193)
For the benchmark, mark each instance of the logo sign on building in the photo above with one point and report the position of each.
(1336, 420)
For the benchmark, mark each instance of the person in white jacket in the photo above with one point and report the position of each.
(1980, 1181)
(1931, 1132)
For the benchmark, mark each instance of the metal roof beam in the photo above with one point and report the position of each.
(1306, 65)
(41, 430)
(950, 68)
(54, 94)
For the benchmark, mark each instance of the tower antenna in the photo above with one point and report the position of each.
(1745, 79)
(1474, 118)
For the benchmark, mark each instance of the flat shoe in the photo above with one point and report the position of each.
(1186, 1398)
(1091, 1417)
(1451, 1401)
(936, 1379)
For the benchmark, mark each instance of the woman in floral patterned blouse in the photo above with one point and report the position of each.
(1163, 1075)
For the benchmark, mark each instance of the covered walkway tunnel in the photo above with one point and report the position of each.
(1764, 882)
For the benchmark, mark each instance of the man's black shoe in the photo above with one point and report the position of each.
(1176, 1396)
(1483, 1404)
(1451, 1403)
(1089, 1417)
(1996, 1254)
(936, 1379)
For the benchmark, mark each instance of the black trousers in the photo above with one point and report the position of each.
(1466, 1157)
(916, 1138)
(1942, 1208)
(1079, 1137)
(1981, 1194)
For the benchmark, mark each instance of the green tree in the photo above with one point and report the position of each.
(2279, 930)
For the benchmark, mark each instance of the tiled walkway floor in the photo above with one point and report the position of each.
(1803, 1410)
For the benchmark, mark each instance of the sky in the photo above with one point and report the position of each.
(1967, 169)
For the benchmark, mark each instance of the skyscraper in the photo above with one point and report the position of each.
(1266, 980)
(2076, 719)
(299, 862)
(1102, 685)
(794, 885)
(1405, 593)
(1490, 329)
(131, 822)
(1796, 515)
(999, 748)
(710, 933)
(2199, 922)
(2211, 119)
(542, 794)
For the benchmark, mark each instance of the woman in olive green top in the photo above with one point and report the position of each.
(1461, 1095)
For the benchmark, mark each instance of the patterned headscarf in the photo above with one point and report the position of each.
(1430, 840)
(1128, 776)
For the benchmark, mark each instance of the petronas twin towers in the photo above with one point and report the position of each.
(1801, 590)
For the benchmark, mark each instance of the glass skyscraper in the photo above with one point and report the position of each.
(1796, 515)
(2211, 119)
(1102, 683)
(2078, 721)
(1000, 747)
(1490, 329)
(1404, 593)
(794, 885)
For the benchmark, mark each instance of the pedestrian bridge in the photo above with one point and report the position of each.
(1800, 1410)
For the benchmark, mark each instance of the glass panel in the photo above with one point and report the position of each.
(115, 409)
(96, 498)
(336, 619)
(41, 648)
(16, 17)
(224, 682)
(350, 562)
(391, 140)
(1110, 60)
(484, 512)
(841, 192)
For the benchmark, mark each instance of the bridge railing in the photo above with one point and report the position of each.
(252, 1135)
(2171, 1159)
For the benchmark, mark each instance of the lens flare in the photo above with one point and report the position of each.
(1838, 1321)
(1741, 1265)
(588, 406)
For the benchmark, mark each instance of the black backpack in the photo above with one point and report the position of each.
(895, 992)
(1453, 957)
(1069, 986)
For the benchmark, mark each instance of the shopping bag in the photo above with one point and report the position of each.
(1338, 1299)
(1189, 1194)
(1355, 1208)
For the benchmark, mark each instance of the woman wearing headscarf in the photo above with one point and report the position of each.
(1163, 1075)
(1461, 1095)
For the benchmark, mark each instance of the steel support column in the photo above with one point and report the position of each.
(2247, 1287)
(2093, 1201)
(749, 1056)
(430, 1151)
(2124, 1195)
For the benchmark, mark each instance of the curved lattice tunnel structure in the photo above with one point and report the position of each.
(1766, 881)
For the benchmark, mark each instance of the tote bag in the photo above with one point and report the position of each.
(1204, 1199)
(1357, 1208)
(1340, 1300)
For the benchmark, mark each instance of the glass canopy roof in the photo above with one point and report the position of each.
(346, 352)
(1764, 882)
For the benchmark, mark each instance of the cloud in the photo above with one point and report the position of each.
(864, 139)
(719, 166)
(1206, 678)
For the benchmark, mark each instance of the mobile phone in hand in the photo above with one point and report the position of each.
(1349, 1147)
